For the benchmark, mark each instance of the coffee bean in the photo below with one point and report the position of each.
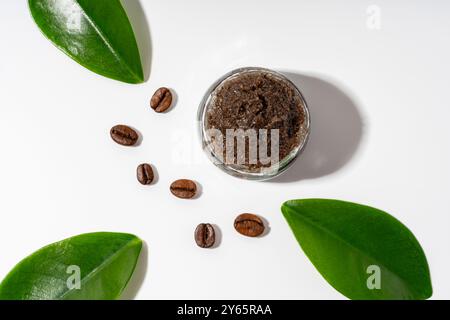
(145, 174)
(161, 100)
(205, 236)
(249, 225)
(124, 135)
(183, 188)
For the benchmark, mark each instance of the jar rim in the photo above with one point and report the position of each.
(264, 173)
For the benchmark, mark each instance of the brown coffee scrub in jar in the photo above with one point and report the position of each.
(255, 120)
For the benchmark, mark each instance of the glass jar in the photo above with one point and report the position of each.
(210, 104)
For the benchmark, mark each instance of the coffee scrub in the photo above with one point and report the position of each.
(254, 123)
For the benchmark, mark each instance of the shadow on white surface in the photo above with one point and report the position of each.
(155, 175)
(174, 100)
(266, 227)
(141, 29)
(140, 137)
(138, 277)
(199, 192)
(219, 236)
(336, 129)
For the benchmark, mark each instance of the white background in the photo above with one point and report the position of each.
(380, 111)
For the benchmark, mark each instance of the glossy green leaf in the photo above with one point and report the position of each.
(103, 262)
(97, 34)
(355, 246)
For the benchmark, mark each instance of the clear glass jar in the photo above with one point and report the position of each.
(242, 171)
